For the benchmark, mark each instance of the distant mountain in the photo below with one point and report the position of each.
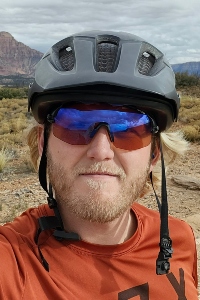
(192, 68)
(16, 59)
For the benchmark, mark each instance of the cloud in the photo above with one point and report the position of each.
(172, 26)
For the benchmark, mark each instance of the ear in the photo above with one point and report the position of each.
(155, 156)
(40, 139)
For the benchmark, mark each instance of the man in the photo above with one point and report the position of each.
(102, 100)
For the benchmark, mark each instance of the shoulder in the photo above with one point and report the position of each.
(25, 225)
(17, 247)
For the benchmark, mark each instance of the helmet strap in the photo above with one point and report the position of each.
(162, 262)
(43, 162)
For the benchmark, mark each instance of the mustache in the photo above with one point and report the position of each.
(101, 167)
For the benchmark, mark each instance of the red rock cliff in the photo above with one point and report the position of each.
(15, 57)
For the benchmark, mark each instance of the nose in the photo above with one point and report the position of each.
(100, 148)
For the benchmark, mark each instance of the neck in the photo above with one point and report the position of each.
(111, 233)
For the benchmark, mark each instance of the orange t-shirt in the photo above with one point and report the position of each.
(80, 270)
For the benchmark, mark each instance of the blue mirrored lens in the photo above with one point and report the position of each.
(119, 121)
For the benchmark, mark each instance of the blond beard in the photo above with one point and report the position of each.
(94, 207)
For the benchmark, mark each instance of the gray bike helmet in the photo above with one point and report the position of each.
(117, 68)
(113, 67)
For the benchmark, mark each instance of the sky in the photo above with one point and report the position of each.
(173, 26)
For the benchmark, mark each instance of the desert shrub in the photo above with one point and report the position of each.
(192, 133)
(4, 158)
(10, 93)
(5, 128)
(190, 109)
(9, 103)
(18, 124)
(14, 125)
(197, 123)
(1, 116)
(186, 80)
(189, 117)
(12, 139)
(13, 120)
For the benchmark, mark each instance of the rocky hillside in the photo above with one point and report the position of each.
(15, 57)
(192, 68)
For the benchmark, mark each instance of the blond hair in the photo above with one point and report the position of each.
(173, 145)
(32, 141)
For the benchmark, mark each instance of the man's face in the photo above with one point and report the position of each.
(96, 182)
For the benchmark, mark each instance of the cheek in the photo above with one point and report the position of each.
(136, 160)
(62, 152)
(55, 147)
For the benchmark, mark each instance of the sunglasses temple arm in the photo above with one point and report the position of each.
(155, 127)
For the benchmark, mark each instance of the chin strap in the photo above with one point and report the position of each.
(162, 262)
(51, 222)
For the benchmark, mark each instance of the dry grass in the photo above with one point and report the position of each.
(14, 119)
(189, 117)
(4, 158)
(28, 165)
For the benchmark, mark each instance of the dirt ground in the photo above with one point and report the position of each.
(19, 189)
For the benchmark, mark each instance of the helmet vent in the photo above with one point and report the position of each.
(106, 56)
(146, 63)
(66, 57)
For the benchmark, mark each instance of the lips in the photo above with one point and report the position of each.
(101, 173)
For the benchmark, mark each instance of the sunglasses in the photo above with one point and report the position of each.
(127, 129)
